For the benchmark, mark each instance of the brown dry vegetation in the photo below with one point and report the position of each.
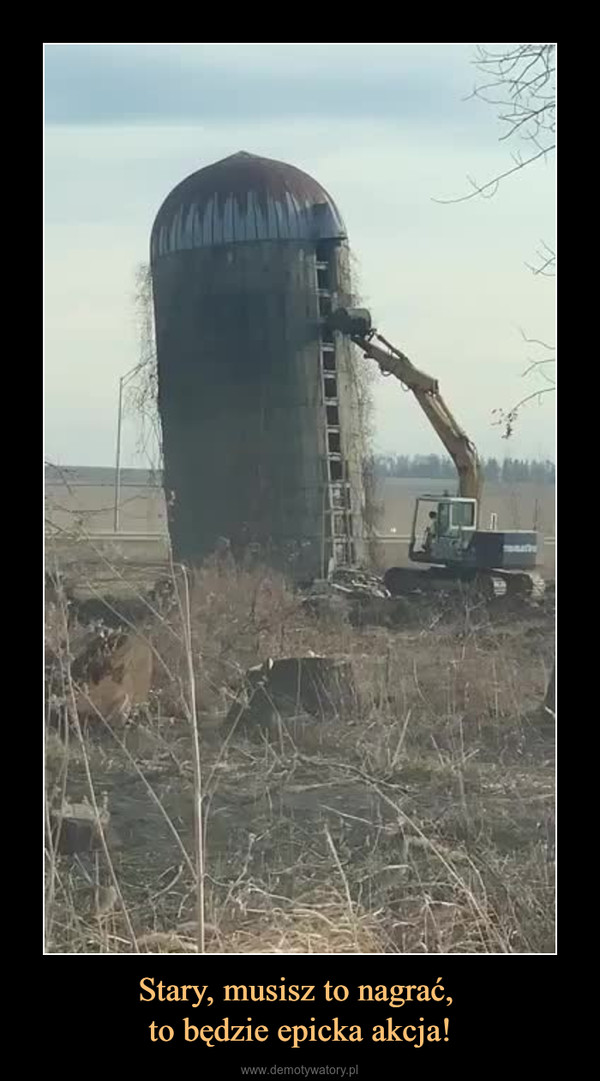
(419, 819)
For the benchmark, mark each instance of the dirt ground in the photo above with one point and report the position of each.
(417, 817)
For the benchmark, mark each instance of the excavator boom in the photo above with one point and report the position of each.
(356, 322)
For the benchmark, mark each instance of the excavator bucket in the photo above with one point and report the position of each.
(355, 322)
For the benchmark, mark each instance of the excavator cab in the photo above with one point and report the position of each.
(442, 529)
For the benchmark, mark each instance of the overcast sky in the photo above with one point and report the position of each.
(386, 129)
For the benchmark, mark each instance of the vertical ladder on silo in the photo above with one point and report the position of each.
(338, 509)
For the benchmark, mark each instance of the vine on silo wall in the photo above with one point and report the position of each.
(364, 375)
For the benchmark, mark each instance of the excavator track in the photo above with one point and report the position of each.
(523, 584)
(406, 581)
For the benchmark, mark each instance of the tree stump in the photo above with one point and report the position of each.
(316, 688)
(75, 828)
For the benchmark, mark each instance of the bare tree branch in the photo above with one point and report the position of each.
(537, 365)
(481, 189)
(547, 265)
(508, 418)
(535, 341)
(520, 84)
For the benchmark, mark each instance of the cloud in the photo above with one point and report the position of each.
(120, 83)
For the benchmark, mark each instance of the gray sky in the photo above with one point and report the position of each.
(386, 129)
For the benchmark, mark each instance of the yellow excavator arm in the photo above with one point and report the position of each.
(356, 322)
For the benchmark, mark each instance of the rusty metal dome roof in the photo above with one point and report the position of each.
(244, 198)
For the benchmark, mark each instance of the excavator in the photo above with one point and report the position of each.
(452, 544)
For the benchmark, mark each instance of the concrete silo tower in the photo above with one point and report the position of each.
(258, 403)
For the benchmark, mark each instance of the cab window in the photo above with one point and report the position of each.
(463, 515)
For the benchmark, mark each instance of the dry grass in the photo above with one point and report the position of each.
(419, 820)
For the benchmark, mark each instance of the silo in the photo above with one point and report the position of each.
(259, 404)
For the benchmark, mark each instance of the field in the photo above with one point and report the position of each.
(84, 499)
(414, 814)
